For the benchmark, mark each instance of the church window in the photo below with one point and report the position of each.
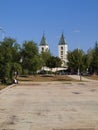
(61, 52)
(61, 57)
(61, 48)
(42, 49)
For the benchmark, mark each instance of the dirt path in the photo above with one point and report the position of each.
(50, 106)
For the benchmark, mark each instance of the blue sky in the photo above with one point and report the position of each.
(28, 19)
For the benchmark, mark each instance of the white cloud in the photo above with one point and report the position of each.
(76, 31)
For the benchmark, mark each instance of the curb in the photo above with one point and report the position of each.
(6, 88)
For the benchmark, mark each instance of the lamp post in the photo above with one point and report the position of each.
(21, 62)
(79, 67)
(78, 63)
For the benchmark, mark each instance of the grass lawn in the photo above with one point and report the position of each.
(41, 78)
(48, 78)
(45, 78)
(2, 86)
(93, 77)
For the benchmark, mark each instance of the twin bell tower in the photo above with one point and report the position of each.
(62, 48)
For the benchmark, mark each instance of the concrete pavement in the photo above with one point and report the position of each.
(49, 106)
(78, 77)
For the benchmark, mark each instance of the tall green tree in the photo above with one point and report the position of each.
(45, 56)
(53, 62)
(87, 59)
(9, 49)
(94, 62)
(31, 61)
(75, 60)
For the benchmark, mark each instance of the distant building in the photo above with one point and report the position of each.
(63, 50)
(43, 47)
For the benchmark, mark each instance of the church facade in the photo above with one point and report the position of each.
(62, 48)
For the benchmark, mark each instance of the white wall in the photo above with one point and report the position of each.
(45, 48)
(65, 50)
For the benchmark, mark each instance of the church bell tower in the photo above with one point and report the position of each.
(43, 47)
(63, 50)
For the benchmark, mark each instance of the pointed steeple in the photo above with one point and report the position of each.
(43, 41)
(43, 47)
(62, 40)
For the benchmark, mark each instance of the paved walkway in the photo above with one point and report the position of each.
(78, 77)
(49, 106)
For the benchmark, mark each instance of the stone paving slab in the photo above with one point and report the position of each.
(50, 106)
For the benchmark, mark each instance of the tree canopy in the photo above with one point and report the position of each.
(53, 62)
(85, 62)
(31, 60)
(27, 60)
(9, 63)
(75, 60)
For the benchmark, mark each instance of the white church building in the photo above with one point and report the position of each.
(62, 49)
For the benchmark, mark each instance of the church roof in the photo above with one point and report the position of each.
(62, 40)
(43, 41)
